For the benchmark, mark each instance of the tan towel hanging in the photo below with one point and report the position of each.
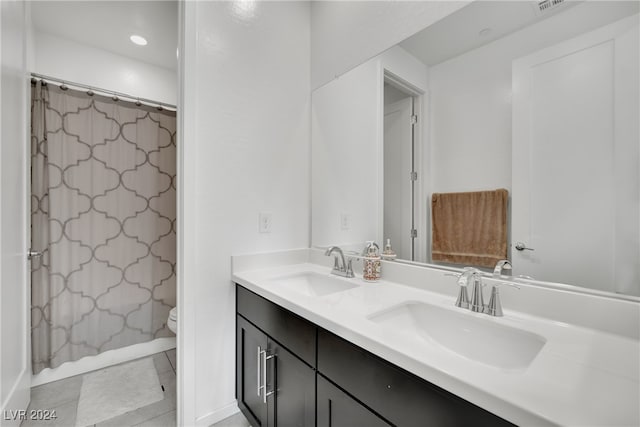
(470, 228)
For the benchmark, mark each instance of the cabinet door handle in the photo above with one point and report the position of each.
(258, 379)
(264, 376)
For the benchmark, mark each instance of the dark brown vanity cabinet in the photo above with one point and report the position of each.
(274, 387)
(312, 377)
(398, 396)
(337, 409)
(249, 342)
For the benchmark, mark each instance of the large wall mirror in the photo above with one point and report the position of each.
(537, 102)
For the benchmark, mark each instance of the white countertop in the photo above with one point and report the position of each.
(581, 377)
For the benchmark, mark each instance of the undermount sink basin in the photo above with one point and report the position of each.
(468, 335)
(312, 284)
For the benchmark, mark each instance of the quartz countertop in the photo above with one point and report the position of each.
(580, 377)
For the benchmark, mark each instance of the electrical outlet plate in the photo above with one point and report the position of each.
(345, 221)
(264, 222)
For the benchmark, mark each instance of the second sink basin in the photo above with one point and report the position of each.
(312, 284)
(470, 336)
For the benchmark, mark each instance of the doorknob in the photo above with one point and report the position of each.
(33, 254)
(521, 247)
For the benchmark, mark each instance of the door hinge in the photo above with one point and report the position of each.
(414, 119)
(414, 233)
(414, 176)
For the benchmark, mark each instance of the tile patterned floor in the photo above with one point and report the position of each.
(63, 396)
(237, 420)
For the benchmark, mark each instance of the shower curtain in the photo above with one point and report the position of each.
(103, 211)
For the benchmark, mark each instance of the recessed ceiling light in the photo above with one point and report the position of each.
(139, 40)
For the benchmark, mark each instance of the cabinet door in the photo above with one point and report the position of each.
(249, 341)
(293, 404)
(337, 409)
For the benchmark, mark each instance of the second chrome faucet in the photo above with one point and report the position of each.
(344, 269)
(473, 276)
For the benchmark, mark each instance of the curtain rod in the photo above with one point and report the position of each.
(93, 89)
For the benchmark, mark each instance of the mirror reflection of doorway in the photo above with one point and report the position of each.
(400, 175)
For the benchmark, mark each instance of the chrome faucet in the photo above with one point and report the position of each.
(504, 264)
(345, 269)
(494, 308)
(477, 299)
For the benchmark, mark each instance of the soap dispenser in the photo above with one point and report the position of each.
(388, 253)
(372, 265)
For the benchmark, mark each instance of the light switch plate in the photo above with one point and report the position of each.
(345, 221)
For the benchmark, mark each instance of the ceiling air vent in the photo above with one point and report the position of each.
(546, 5)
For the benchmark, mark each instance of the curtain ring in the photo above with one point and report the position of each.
(138, 103)
(115, 98)
(159, 108)
(64, 86)
(90, 92)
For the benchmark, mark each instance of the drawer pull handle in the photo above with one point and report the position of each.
(258, 368)
(264, 376)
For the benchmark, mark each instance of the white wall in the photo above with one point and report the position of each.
(347, 149)
(15, 355)
(471, 120)
(344, 34)
(66, 59)
(246, 149)
(345, 166)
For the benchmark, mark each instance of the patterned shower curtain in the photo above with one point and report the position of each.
(103, 211)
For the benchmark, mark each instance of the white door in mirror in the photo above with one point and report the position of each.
(576, 159)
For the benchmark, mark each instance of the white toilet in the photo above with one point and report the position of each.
(173, 318)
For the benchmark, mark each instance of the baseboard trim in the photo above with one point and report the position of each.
(218, 415)
(17, 399)
(102, 360)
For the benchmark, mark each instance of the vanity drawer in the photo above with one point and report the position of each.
(290, 330)
(400, 397)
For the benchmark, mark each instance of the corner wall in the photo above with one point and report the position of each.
(246, 137)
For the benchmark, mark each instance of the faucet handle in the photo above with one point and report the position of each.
(463, 297)
(336, 263)
(349, 268)
(494, 308)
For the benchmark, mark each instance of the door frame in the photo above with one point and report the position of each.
(19, 396)
(421, 210)
(406, 219)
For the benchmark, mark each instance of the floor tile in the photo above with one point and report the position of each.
(166, 420)
(63, 396)
(168, 404)
(237, 420)
(171, 354)
(162, 363)
(65, 417)
(116, 390)
(51, 395)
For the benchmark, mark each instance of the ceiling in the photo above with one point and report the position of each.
(108, 24)
(460, 32)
